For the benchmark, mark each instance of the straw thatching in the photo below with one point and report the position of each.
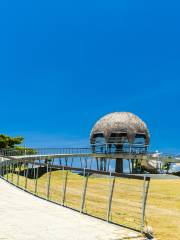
(120, 122)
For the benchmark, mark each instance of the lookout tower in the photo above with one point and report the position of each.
(120, 132)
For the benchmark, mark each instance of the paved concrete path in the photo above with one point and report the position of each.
(26, 217)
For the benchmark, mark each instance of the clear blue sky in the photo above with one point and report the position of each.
(64, 64)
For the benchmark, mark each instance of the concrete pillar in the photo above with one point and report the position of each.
(119, 161)
(119, 165)
(101, 164)
(97, 163)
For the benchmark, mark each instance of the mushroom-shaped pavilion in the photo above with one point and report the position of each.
(120, 132)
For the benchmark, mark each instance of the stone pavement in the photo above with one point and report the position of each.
(26, 217)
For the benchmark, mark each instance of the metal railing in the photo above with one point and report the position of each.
(116, 198)
(105, 149)
(44, 151)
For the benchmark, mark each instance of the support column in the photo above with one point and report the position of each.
(133, 165)
(105, 164)
(97, 164)
(119, 165)
(101, 164)
(119, 161)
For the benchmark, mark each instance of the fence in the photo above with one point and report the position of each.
(72, 157)
(43, 151)
(133, 148)
(117, 198)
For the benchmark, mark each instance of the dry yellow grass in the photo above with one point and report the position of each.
(163, 205)
(163, 208)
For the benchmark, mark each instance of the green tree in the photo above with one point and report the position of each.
(167, 166)
(7, 142)
(25, 150)
(10, 142)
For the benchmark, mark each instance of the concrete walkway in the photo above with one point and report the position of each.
(26, 217)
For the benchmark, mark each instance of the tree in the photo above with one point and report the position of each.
(167, 166)
(7, 142)
(10, 142)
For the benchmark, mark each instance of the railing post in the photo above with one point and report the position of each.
(18, 168)
(64, 186)
(7, 175)
(33, 172)
(11, 172)
(12, 167)
(84, 191)
(111, 190)
(47, 170)
(37, 173)
(48, 181)
(144, 199)
(3, 169)
(1, 166)
(27, 171)
(24, 169)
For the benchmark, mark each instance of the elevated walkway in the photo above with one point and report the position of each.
(149, 161)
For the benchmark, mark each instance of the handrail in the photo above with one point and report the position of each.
(9, 169)
(101, 149)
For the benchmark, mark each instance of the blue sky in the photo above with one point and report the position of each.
(64, 64)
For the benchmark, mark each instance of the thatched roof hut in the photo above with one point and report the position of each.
(120, 125)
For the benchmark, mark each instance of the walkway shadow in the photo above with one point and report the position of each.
(32, 172)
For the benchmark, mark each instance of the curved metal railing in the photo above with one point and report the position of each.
(117, 198)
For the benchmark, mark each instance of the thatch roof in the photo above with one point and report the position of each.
(120, 122)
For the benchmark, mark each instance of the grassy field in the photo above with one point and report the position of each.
(163, 205)
(163, 208)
